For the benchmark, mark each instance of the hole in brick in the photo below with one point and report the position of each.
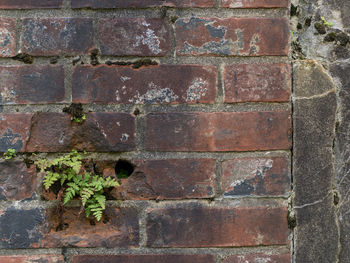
(92, 222)
(124, 169)
(61, 227)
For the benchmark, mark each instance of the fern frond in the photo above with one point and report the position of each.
(50, 179)
(101, 200)
(86, 194)
(109, 182)
(71, 191)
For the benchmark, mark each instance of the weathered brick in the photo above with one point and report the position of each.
(17, 182)
(119, 227)
(23, 227)
(255, 3)
(114, 84)
(95, 4)
(54, 36)
(285, 258)
(7, 37)
(101, 132)
(135, 36)
(195, 225)
(40, 228)
(30, 4)
(257, 82)
(169, 179)
(256, 176)
(14, 131)
(33, 84)
(144, 259)
(220, 131)
(232, 36)
(32, 259)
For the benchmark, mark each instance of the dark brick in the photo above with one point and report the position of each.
(135, 37)
(256, 176)
(7, 37)
(259, 258)
(255, 3)
(195, 225)
(17, 182)
(95, 4)
(225, 131)
(30, 4)
(101, 132)
(257, 82)
(32, 259)
(14, 131)
(232, 36)
(104, 84)
(55, 36)
(144, 259)
(169, 179)
(119, 227)
(33, 84)
(23, 227)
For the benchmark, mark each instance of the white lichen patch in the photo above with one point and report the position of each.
(154, 94)
(5, 42)
(117, 95)
(237, 3)
(124, 78)
(196, 90)
(124, 137)
(149, 39)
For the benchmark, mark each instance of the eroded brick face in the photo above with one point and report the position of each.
(148, 85)
(255, 176)
(232, 36)
(17, 181)
(254, 3)
(7, 37)
(56, 36)
(135, 37)
(32, 259)
(257, 83)
(140, 4)
(144, 259)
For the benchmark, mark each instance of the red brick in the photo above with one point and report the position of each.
(220, 131)
(135, 37)
(257, 82)
(232, 36)
(169, 179)
(32, 259)
(259, 258)
(55, 36)
(14, 131)
(34, 84)
(17, 182)
(101, 132)
(40, 228)
(144, 259)
(256, 176)
(95, 4)
(7, 37)
(255, 3)
(195, 225)
(30, 4)
(149, 85)
(119, 227)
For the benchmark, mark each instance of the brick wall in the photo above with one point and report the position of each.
(194, 94)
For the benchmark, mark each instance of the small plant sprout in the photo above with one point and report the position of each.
(11, 153)
(326, 23)
(80, 120)
(89, 188)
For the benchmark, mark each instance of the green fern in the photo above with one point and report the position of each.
(89, 188)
